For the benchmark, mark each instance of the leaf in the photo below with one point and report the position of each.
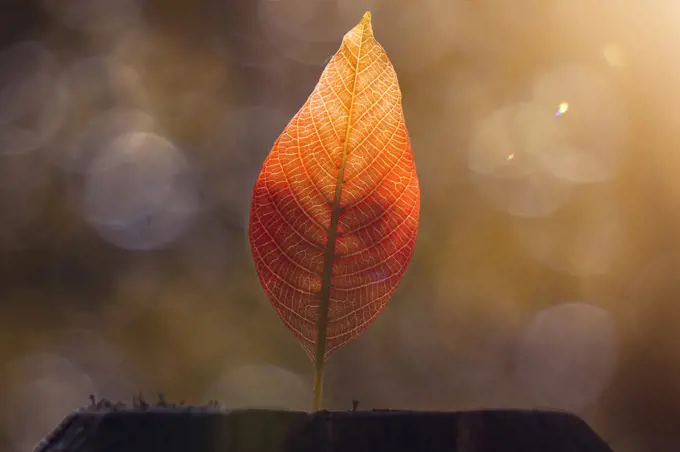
(335, 209)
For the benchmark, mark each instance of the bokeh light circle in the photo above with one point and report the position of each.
(34, 99)
(504, 157)
(566, 356)
(590, 134)
(139, 194)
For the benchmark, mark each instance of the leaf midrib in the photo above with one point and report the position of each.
(329, 255)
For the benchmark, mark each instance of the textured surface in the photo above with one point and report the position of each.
(339, 184)
(185, 430)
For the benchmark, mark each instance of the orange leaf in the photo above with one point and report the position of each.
(335, 209)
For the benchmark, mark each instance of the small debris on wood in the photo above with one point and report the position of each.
(139, 403)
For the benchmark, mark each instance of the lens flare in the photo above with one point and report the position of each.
(562, 108)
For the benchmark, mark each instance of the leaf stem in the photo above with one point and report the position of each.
(318, 385)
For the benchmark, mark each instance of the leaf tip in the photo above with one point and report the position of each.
(365, 25)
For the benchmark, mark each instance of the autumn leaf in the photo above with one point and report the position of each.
(335, 209)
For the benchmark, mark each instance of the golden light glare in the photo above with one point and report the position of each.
(562, 108)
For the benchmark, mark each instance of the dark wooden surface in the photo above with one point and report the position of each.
(193, 429)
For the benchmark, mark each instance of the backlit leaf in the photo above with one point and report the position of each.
(335, 209)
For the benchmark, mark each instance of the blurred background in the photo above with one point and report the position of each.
(547, 267)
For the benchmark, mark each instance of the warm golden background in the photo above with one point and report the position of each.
(547, 268)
